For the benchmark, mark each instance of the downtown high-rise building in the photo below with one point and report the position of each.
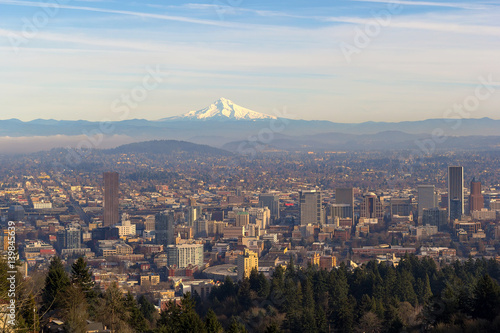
(184, 255)
(455, 192)
(271, 201)
(345, 196)
(371, 207)
(426, 199)
(111, 203)
(164, 228)
(246, 262)
(401, 206)
(476, 199)
(311, 208)
(69, 238)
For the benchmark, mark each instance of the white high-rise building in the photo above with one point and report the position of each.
(184, 255)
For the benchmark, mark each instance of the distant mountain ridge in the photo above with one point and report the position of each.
(224, 123)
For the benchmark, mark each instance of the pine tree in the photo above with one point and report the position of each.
(56, 283)
(308, 312)
(486, 298)
(212, 324)
(236, 327)
(80, 275)
(273, 328)
(264, 286)
(244, 297)
(147, 308)
(134, 316)
(181, 318)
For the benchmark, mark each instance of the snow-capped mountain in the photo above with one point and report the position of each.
(223, 109)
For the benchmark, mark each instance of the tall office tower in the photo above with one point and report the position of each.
(246, 262)
(426, 199)
(476, 199)
(455, 192)
(111, 215)
(311, 209)
(164, 228)
(184, 255)
(271, 201)
(345, 196)
(371, 207)
(192, 215)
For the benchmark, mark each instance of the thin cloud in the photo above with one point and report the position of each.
(126, 12)
(428, 4)
(424, 25)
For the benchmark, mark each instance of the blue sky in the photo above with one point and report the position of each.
(416, 60)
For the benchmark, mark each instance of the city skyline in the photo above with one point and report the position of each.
(417, 59)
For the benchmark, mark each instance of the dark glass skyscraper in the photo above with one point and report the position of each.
(455, 192)
(111, 184)
(271, 201)
(164, 228)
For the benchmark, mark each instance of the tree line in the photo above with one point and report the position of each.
(414, 296)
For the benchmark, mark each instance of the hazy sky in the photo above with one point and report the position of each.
(344, 61)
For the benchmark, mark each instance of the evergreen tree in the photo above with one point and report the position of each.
(244, 297)
(236, 327)
(212, 324)
(81, 275)
(134, 316)
(147, 308)
(273, 328)
(253, 279)
(427, 292)
(308, 313)
(181, 318)
(486, 298)
(264, 286)
(56, 283)
(321, 321)
(29, 314)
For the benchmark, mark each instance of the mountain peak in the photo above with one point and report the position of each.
(224, 109)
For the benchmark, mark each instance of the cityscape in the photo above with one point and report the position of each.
(162, 225)
(238, 166)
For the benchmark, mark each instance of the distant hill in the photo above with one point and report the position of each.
(167, 147)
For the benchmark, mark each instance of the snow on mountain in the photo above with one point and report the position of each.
(223, 109)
